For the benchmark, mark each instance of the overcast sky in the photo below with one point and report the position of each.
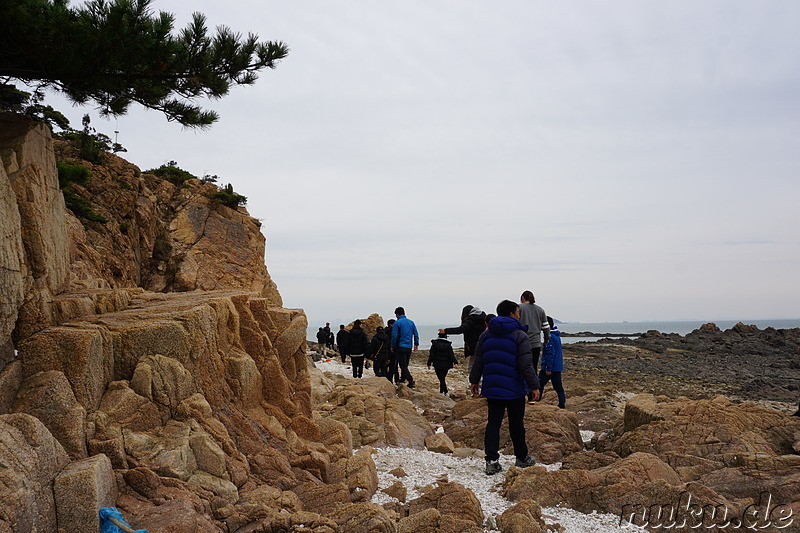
(623, 160)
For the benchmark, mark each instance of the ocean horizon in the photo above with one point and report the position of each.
(428, 332)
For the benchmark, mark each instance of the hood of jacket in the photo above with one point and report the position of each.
(503, 325)
(440, 341)
(555, 331)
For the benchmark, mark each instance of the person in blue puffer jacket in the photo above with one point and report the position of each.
(503, 358)
(553, 365)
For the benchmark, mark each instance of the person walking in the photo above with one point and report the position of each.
(535, 318)
(328, 335)
(473, 323)
(503, 360)
(443, 359)
(357, 347)
(404, 337)
(392, 373)
(322, 338)
(341, 341)
(379, 352)
(553, 365)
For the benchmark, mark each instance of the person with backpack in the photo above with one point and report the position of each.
(553, 364)
(443, 359)
(379, 352)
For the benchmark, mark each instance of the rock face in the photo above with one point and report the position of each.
(34, 246)
(136, 385)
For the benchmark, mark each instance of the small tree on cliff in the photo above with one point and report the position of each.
(117, 52)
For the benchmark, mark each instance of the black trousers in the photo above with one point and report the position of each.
(516, 427)
(555, 377)
(403, 356)
(441, 373)
(391, 369)
(381, 365)
(357, 362)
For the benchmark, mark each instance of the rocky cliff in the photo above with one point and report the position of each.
(147, 362)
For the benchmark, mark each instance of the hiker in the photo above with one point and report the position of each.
(329, 333)
(379, 352)
(404, 336)
(443, 359)
(357, 347)
(473, 323)
(535, 318)
(503, 359)
(391, 365)
(553, 364)
(341, 341)
(322, 338)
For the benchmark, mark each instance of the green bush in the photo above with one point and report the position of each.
(227, 196)
(82, 208)
(162, 248)
(172, 172)
(69, 173)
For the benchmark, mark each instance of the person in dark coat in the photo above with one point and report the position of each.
(357, 348)
(392, 371)
(322, 338)
(473, 323)
(443, 359)
(328, 335)
(504, 360)
(341, 342)
(379, 352)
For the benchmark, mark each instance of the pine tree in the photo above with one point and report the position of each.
(118, 52)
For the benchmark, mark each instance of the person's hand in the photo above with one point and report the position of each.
(441, 331)
(429, 367)
(455, 365)
(535, 395)
(547, 372)
(475, 389)
(416, 348)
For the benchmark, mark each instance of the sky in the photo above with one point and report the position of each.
(623, 160)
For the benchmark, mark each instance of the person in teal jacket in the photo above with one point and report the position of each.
(553, 365)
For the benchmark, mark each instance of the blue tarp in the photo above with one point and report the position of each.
(108, 526)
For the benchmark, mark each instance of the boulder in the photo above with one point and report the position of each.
(48, 397)
(363, 518)
(31, 458)
(524, 517)
(452, 500)
(440, 443)
(81, 489)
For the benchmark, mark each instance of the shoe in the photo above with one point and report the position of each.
(411, 384)
(492, 467)
(797, 413)
(525, 463)
(446, 394)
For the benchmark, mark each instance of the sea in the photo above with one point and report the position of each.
(428, 332)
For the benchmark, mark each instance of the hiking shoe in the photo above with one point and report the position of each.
(411, 384)
(492, 467)
(525, 463)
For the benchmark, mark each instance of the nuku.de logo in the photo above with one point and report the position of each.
(686, 514)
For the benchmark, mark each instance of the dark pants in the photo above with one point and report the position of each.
(555, 377)
(516, 427)
(403, 355)
(441, 373)
(357, 362)
(391, 369)
(344, 355)
(381, 365)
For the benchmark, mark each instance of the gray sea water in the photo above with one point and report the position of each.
(428, 332)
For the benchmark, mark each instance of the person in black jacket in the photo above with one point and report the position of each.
(357, 347)
(443, 359)
(322, 338)
(392, 372)
(379, 352)
(473, 323)
(341, 342)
